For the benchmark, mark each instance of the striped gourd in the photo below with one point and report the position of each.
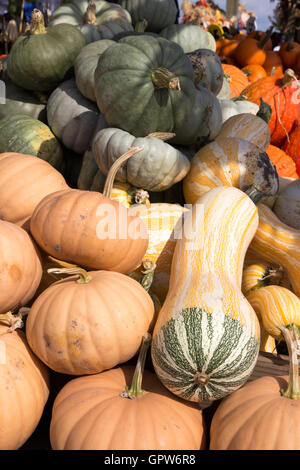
(206, 338)
(229, 162)
(276, 306)
(267, 342)
(278, 243)
(160, 220)
(262, 274)
(249, 127)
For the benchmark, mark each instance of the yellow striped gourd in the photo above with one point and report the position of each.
(160, 220)
(278, 243)
(230, 162)
(249, 127)
(206, 338)
(276, 306)
(262, 274)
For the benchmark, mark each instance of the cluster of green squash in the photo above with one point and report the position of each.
(119, 92)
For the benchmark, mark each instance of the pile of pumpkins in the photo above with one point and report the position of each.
(140, 208)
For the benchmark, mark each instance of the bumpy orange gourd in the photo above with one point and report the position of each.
(96, 413)
(285, 165)
(21, 268)
(88, 323)
(24, 181)
(24, 389)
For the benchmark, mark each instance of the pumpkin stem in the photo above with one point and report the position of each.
(114, 169)
(163, 78)
(265, 111)
(141, 26)
(255, 194)
(90, 14)
(37, 24)
(84, 276)
(147, 279)
(162, 135)
(141, 197)
(264, 41)
(288, 77)
(14, 321)
(291, 336)
(135, 389)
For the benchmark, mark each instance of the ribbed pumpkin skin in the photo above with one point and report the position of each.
(115, 308)
(86, 64)
(229, 162)
(190, 37)
(278, 243)
(161, 221)
(284, 101)
(33, 179)
(72, 117)
(154, 421)
(156, 168)
(232, 108)
(157, 13)
(22, 134)
(72, 225)
(73, 13)
(275, 306)
(50, 55)
(248, 419)
(206, 327)
(21, 268)
(285, 165)
(249, 127)
(136, 105)
(20, 101)
(24, 390)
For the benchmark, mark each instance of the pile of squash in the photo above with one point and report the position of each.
(139, 209)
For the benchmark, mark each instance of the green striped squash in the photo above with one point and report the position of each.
(206, 338)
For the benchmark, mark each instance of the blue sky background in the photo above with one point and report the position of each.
(262, 8)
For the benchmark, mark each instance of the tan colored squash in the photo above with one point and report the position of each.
(89, 322)
(249, 127)
(24, 389)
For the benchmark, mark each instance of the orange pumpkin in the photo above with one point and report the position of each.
(95, 413)
(261, 36)
(248, 418)
(292, 145)
(250, 51)
(283, 97)
(273, 64)
(21, 268)
(24, 181)
(254, 72)
(228, 49)
(89, 229)
(288, 52)
(284, 164)
(238, 81)
(88, 323)
(24, 389)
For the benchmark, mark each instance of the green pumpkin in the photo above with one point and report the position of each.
(189, 36)
(20, 101)
(155, 14)
(86, 64)
(208, 69)
(23, 134)
(144, 84)
(73, 118)
(157, 167)
(79, 12)
(41, 58)
(90, 177)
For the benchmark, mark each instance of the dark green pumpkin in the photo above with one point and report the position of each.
(145, 84)
(23, 134)
(157, 14)
(208, 69)
(41, 58)
(20, 101)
